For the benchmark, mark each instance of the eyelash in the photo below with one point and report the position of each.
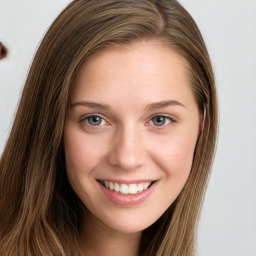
(166, 117)
(84, 119)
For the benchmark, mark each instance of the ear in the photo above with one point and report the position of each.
(202, 121)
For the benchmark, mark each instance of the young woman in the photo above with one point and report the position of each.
(114, 137)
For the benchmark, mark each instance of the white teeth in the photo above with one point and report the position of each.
(125, 188)
(117, 187)
(140, 187)
(146, 185)
(110, 185)
(133, 189)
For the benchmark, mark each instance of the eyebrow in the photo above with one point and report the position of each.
(162, 104)
(90, 104)
(149, 107)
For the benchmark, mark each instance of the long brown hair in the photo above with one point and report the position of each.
(39, 212)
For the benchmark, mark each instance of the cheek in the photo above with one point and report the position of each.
(75, 153)
(175, 156)
(75, 160)
(82, 154)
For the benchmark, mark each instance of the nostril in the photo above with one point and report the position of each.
(3, 51)
(127, 160)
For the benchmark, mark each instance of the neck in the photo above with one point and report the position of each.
(99, 239)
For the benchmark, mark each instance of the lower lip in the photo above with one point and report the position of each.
(127, 199)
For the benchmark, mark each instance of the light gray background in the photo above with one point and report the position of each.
(228, 221)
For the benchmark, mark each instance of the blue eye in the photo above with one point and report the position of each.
(160, 121)
(95, 120)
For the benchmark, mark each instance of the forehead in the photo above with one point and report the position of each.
(147, 69)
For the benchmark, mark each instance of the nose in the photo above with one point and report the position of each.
(128, 151)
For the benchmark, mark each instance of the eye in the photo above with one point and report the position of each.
(94, 120)
(161, 121)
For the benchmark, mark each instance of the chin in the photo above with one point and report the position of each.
(127, 222)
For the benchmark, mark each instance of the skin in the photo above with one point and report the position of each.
(135, 84)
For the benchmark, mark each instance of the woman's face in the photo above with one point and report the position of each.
(130, 134)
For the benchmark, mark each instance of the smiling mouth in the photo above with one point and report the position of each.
(126, 189)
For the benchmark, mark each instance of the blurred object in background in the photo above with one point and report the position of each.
(3, 51)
